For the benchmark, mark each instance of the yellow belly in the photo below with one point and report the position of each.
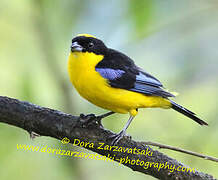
(93, 87)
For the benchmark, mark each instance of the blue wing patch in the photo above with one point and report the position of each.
(145, 78)
(110, 74)
(142, 82)
(150, 90)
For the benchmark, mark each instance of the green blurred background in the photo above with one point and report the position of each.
(176, 41)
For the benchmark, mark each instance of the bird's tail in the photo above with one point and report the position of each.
(187, 113)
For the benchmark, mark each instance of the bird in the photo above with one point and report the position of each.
(111, 80)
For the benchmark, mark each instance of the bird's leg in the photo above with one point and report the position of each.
(99, 118)
(87, 119)
(119, 136)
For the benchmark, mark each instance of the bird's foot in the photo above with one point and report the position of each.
(117, 137)
(88, 119)
(33, 135)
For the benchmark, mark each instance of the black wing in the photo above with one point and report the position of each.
(121, 72)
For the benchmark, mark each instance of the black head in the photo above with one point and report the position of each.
(88, 43)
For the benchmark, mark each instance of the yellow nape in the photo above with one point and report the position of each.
(86, 35)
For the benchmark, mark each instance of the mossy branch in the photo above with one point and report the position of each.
(56, 124)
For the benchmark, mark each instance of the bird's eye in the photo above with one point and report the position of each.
(91, 44)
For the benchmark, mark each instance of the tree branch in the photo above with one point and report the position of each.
(56, 124)
(164, 146)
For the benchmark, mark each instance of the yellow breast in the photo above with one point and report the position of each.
(93, 87)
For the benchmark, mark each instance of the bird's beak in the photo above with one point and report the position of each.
(75, 47)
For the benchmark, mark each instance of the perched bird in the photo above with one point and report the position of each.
(111, 80)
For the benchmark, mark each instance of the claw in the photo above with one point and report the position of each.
(87, 117)
(116, 137)
(98, 119)
(87, 120)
